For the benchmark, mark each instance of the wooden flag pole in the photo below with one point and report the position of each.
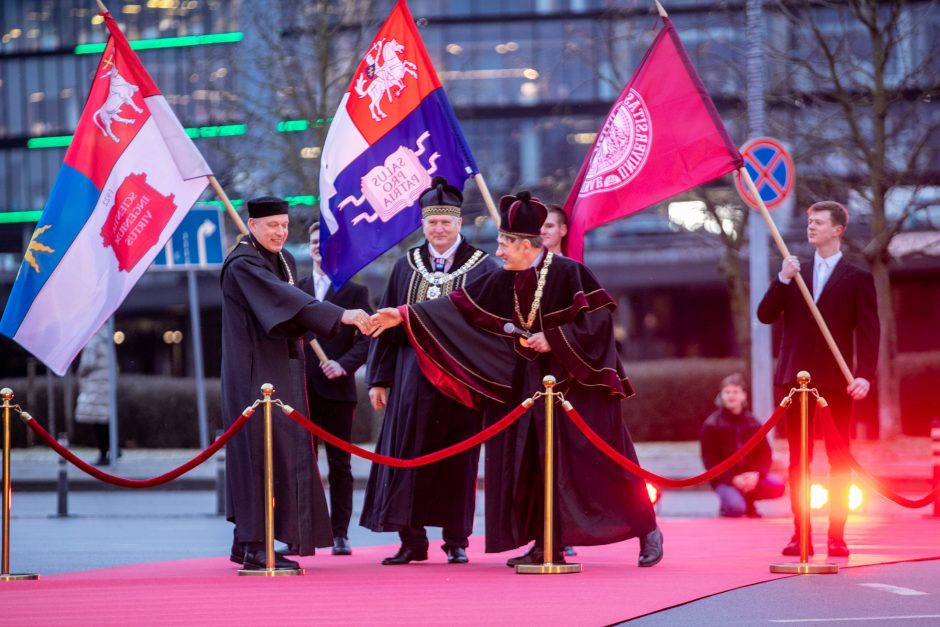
(212, 180)
(487, 199)
(782, 247)
(662, 11)
(228, 205)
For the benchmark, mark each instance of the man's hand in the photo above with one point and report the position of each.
(859, 388)
(379, 397)
(385, 318)
(790, 267)
(332, 369)
(746, 481)
(359, 319)
(538, 343)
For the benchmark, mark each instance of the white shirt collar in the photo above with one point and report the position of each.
(830, 261)
(447, 254)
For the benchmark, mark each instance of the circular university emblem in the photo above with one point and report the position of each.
(621, 148)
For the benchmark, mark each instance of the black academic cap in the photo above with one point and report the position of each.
(441, 199)
(521, 215)
(266, 206)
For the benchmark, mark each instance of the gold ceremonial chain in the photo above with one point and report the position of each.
(436, 281)
(527, 322)
(290, 277)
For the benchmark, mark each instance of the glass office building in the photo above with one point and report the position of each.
(530, 80)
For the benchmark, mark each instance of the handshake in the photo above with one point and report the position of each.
(373, 325)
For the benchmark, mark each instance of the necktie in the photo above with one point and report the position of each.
(439, 263)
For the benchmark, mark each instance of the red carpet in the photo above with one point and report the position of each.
(704, 556)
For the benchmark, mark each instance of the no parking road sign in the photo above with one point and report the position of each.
(771, 169)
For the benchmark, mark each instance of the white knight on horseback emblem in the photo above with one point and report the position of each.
(385, 72)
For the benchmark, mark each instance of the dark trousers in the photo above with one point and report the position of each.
(417, 538)
(840, 471)
(735, 503)
(337, 418)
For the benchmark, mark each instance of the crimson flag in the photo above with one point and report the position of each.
(662, 137)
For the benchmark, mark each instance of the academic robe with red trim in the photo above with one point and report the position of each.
(462, 348)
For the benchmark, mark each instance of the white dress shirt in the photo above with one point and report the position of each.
(321, 285)
(822, 270)
(447, 254)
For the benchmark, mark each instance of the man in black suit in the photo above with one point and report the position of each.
(845, 296)
(331, 387)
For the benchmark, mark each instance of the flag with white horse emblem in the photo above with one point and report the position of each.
(130, 176)
(393, 132)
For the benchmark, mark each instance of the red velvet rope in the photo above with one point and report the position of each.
(659, 480)
(423, 460)
(140, 483)
(836, 438)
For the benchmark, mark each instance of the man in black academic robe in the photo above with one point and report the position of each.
(463, 346)
(264, 317)
(331, 386)
(418, 418)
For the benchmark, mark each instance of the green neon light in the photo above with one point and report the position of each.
(49, 142)
(10, 217)
(169, 42)
(228, 130)
(292, 126)
(196, 132)
(307, 201)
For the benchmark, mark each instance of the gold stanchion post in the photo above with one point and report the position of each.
(547, 567)
(5, 575)
(267, 390)
(804, 566)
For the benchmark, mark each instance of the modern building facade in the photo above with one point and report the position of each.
(531, 82)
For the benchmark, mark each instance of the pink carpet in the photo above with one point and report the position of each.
(704, 556)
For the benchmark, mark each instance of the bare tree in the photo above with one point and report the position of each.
(860, 77)
(295, 65)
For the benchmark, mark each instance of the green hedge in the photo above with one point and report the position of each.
(675, 396)
(673, 399)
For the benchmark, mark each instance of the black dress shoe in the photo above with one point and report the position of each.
(405, 555)
(256, 559)
(237, 555)
(792, 549)
(838, 548)
(651, 549)
(341, 546)
(455, 554)
(535, 555)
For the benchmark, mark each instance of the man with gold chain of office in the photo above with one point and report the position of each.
(418, 418)
(490, 344)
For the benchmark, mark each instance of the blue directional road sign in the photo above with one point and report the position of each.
(771, 169)
(197, 242)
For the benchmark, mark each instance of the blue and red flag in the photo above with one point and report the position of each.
(394, 131)
(130, 176)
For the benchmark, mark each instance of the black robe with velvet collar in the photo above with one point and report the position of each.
(462, 348)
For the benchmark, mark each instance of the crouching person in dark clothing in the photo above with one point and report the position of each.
(724, 433)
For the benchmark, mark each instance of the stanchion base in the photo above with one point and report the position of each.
(273, 572)
(18, 576)
(805, 568)
(547, 569)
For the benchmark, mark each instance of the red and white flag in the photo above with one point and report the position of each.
(662, 137)
(130, 176)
